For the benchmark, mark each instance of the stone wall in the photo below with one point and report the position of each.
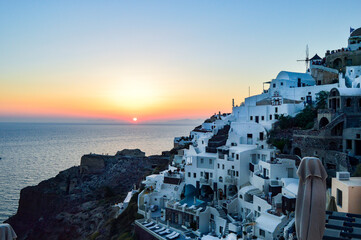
(327, 149)
(340, 60)
(324, 77)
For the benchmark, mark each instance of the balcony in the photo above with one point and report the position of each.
(206, 181)
(261, 176)
(173, 178)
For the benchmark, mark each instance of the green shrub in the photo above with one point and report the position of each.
(94, 235)
(321, 100)
(357, 172)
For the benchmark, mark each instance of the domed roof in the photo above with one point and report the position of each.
(294, 76)
(356, 33)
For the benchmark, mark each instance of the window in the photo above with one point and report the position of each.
(218, 165)
(274, 85)
(348, 144)
(237, 156)
(211, 175)
(276, 116)
(189, 174)
(222, 166)
(194, 175)
(276, 109)
(237, 173)
(232, 167)
(201, 174)
(249, 135)
(210, 161)
(261, 136)
(259, 208)
(270, 117)
(202, 160)
(281, 83)
(262, 117)
(339, 197)
(220, 179)
(251, 118)
(232, 155)
(348, 102)
(262, 233)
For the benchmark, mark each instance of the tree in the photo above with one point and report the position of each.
(321, 100)
(285, 122)
(357, 172)
(305, 118)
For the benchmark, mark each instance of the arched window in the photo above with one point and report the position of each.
(220, 179)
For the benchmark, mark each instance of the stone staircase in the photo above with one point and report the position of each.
(223, 215)
(226, 230)
(218, 139)
(335, 121)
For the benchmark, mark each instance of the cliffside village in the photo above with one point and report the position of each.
(228, 182)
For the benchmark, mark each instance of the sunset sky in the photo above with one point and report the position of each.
(154, 60)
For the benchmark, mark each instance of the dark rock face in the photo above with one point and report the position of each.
(131, 153)
(78, 201)
(92, 163)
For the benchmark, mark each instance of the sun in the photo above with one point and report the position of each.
(135, 119)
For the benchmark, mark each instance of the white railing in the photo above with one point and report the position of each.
(206, 181)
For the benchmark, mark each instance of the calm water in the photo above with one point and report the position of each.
(34, 152)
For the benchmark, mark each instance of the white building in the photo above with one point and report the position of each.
(231, 179)
(288, 94)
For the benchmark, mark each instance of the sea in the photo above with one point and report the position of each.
(33, 152)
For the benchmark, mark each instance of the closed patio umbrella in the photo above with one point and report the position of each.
(311, 199)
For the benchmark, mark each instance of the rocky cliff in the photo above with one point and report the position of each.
(77, 203)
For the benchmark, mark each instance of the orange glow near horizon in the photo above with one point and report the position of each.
(116, 96)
